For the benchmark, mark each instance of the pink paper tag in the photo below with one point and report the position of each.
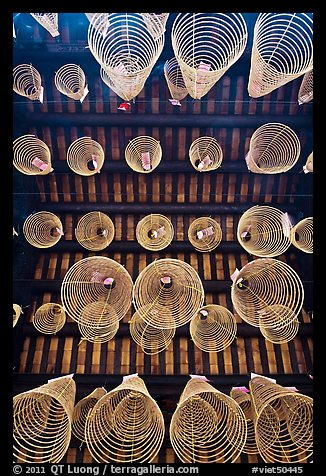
(199, 377)
(292, 389)
(86, 91)
(108, 280)
(205, 163)
(286, 223)
(247, 161)
(245, 231)
(160, 232)
(242, 389)
(204, 66)
(175, 102)
(124, 106)
(59, 231)
(128, 377)
(306, 171)
(146, 160)
(235, 274)
(166, 280)
(205, 232)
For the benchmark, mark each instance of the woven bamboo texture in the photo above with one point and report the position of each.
(70, 80)
(213, 328)
(174, 79)
(274, 148)
(155, 23)
(49, 318)
(143, 154)
(306, 91)
(278, 324)
(98, 322)
(207, 426)
(95, 231)
(42, 229)
(302, 235)
(205, 234)
(205, 154)
(244, 400)
(27, 81)
(42, 420)
(154, 232)
(264, 231)
(85, 156)
(17, 311)
(49, 21)
(182, 297)
(126, 425)
(309, 165)
(205, 46)
(31, 155)
(81, 411)
(283, 422)
(282, 51)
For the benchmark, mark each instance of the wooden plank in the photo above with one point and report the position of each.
(183, 349)
(67, 353)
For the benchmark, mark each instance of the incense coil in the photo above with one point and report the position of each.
(125, 425)
(264, 231)
(95, 231)
(155, 23)
(81, 411)
(282, 50)
(42, 420)
(205, 46)
(49, 21)
(152, 340)
(28, 149)
(183, 296)
(306, 91)
(207, 426)
(207, 242)
(154, 232)
(278, 324)
(27, 82)
(207, 151)
(85, 156)
(302, 235)
(70, 80)
(243, 399)
(17, 312)
(126, 89)
(174, 79)
(86, 290)
(98, 322)
(42, 229)
(283, 422)
(274, 148)
(263, 283)
(135, 150)
(49, 318)
(309, 165)
(215, 331)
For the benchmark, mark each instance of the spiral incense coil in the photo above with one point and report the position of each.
(205, 234)
(27, 82)
(98, 322)
(31, 155)
(17, 311)
(205, 46)
(85, 156)
(82, 409)
(278, 324)
(174, 79)
(207, 426)
(96, 286)
(154, 232)
(128, 89)
(309, 166)
(70, 80)
(274, 148)
(205, 154)
(306, 91)
(125, 425)
(49, 318)
(143, 154)
(264, 231)
(213, 328)
(263, 283)
(42, 229)
(152, 340)
(302, 235)
(283, 422)
(282, 50)
(243, 399)
(170, 283)
(42, 420)
(95, 231)
(155, 23)
(49, 21)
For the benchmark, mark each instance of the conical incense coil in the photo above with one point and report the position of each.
(81, 411)
(154, 232)
(243, 399)
(17, 311)
(213, 328)
(205, 154)
(125, 425)
(205, 46)
(174, 79)
(283, 421)
(302, 235)
(263, 283)
(264, 231)
(49, 318)
(85, 156)
(309, 166)
(205, 234)
(98, 322)
(70, 80)
(207, 426)
(278, 324)
(155, 23)
(49, 21)
(282, 50)
(306, 91)
(42, 420)
(31, 155)
(143, 154)
(95, 231)
(274, 148)
(97, 285)
(42, 229)
(127, 89)
(170, 283)
(27, 82)
(152, 340)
